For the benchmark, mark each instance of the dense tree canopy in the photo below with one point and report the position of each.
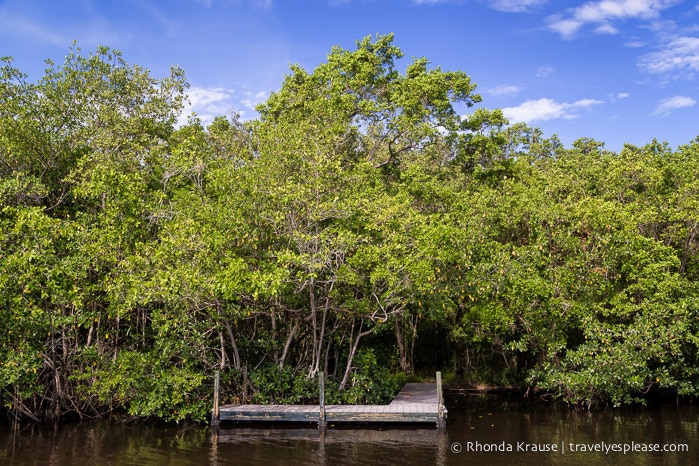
(360, 227)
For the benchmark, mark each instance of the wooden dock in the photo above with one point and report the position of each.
(416, 403)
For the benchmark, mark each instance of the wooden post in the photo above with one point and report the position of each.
(442, 422)
(321, 419)
(215, 414)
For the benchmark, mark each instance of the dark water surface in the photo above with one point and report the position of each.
(479, 428)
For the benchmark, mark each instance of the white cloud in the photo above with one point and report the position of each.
(678, 55)
(256, 3)
(203, 97)
(604, 12)
(160, 16)
(508, 6)
(667, 106)
(515, 6)
(565, 27)
(547, 109)
(501, 91)
(30, 30)
(208, 103)
(264, 4)
(606, 29)
(544, 71)
(431, 2)
(618, 96)
(251, 101)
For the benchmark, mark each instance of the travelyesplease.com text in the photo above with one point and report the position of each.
(568, 447)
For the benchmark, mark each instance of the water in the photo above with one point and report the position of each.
(479, 427)
(599, 438)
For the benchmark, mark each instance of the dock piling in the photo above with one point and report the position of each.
(441, 422)
(215, 414)
(322, 423)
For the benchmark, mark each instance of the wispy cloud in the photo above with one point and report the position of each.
(502, 91)
(208, 103)
(544, 71)
(431, 2)
(619, 96)
(201, 97)
(606, 28)
(547, 109)
(516, 6)
(603, 14)
(159, 16)
(264, 4)
(33, 30)
(31, 26)
(667, 106)
(250, 101)
(679, 55)
(508, 6)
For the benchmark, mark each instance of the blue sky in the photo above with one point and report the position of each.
(613, 70)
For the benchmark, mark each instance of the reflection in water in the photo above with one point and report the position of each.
(358, 446)
(521, 424)
(474, 420)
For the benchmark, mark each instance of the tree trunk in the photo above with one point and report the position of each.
(406, 343)
(234, 346)
(401, 347)
(353, 351)
(287, 345)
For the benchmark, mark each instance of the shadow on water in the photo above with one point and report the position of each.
(479, 427)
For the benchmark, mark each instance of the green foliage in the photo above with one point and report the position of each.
(283, 386)
(371, 383)
(360, 220)
(148, 386)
